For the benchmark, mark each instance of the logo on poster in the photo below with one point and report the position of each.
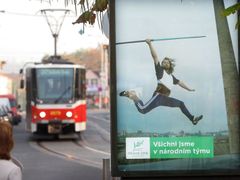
(138, 148)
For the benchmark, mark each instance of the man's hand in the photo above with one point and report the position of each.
(148, 41)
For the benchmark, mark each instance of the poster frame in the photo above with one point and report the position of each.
(113, 112)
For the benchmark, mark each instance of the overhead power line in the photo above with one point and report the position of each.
(26, 14)
(21, 14)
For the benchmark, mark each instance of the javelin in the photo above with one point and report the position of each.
(163, 39)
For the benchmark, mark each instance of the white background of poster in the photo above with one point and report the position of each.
(197, 64)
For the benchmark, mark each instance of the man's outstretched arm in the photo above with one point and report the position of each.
(184, 86)
(152, 50)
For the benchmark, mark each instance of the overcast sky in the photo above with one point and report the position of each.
(25, 35)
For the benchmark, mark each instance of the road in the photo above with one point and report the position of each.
(65, 158)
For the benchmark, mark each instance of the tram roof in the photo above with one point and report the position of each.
(50, 65)
(53, 62)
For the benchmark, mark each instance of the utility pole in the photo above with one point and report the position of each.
(104, 76)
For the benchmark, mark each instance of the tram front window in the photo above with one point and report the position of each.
(54, 85)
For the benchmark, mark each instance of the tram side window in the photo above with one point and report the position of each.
(81, 83)
(33, 84)
(77, 84)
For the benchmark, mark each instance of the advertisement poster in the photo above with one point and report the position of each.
(176, 105)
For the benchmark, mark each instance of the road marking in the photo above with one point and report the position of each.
(40, 146)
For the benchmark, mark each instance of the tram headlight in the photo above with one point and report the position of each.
(42, 114)
(6, 118)
(69, 114)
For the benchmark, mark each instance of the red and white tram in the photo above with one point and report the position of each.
(55, 98)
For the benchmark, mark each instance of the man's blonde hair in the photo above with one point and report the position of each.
(172, 65)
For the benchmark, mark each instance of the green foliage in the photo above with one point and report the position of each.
(237, 26)
(86, 17)
(231, 10)
(91, 9)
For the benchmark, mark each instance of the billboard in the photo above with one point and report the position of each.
(175, 93)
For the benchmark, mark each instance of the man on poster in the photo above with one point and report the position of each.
(164, 72)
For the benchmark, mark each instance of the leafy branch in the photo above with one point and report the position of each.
(231, 10)
(90, 10)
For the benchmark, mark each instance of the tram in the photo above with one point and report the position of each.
(55, 97)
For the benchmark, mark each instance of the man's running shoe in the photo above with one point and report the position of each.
(197, 119)
(124, 93)
(130, 94)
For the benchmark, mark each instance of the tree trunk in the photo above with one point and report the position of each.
(230, 76)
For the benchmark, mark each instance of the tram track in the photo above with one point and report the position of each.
(67, 156)
(100, 130)
(85, 146)
(89, 149)
(79, 146)
(105, 135)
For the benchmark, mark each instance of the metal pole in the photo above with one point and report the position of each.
(101, 95)
(106, 169)
(55, 36)
(163, 39)
(55, 32)
(106, 85)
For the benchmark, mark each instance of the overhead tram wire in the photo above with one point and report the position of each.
(31, 15)
(162, 39)
(21, 14)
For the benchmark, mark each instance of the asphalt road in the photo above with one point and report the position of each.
(83, 157)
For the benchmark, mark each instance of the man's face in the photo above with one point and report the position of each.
(166, 64)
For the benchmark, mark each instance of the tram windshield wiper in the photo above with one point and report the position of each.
(62, 95)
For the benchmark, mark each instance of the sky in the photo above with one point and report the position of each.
(197, 64)
(25, 35)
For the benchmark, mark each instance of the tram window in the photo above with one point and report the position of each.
(33, 85)
(83, 83)
(55, 84)
(77, 95)
(81, 87)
